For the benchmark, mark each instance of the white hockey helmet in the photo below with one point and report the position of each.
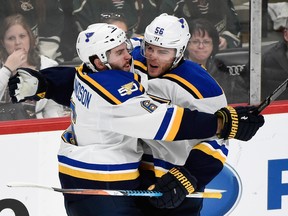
(97, 39)
(168, 31)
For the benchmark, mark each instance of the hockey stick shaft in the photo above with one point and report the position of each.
(211, 194)
(275, 94)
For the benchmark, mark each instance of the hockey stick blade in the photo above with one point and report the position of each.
(211, 194)
(275, 94)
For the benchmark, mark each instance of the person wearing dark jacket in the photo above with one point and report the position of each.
(221, 13)
(275, 66)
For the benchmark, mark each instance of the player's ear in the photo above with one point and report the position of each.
(99, 64)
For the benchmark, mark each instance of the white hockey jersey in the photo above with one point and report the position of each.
(110, 110)
(189, 85)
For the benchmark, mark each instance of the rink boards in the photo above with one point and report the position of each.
(257, 171)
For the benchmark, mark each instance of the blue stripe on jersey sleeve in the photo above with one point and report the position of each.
(197, 76)
(113, 85)
(165, 124)
(163, 164)
(216, 146)
(103, 167)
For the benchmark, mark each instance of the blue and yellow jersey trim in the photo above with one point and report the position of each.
(171, 124)
(107, 84)
(213, 149)
(190, 76)
(98, 172)
(138, 78)
(138, 59)
(69, 137)
(185, 84)
(140, 66)
(209, 148)
(195, 80)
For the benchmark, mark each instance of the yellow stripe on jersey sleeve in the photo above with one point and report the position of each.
(99, 87)
(140, 64)
(107, 177)
(137, 77)
(159, 173)
(175, 124)
(186, 83)
(210, 151)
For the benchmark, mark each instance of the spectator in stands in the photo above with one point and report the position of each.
(45, 19)
(116, 19)
(221, 13)
(69, 31)
(275, 66)
(203, 43)
(147, 11)
(18, 49)
(89, 12)
(202, 48)
(78, 15)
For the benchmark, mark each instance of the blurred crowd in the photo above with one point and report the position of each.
(42, 33)
(56, 23)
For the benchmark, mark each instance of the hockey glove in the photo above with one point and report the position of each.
(27, 84)
(175, 185)
(239, 122)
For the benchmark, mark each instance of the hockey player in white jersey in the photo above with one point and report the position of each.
(94, 153)
(104, 87)
(109, 110)
(189, 85)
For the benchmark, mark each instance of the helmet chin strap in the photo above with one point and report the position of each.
(95, 69)
(108, 65)
(91, 66)
(177, 59)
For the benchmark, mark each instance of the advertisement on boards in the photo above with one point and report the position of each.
(32, 158)
(255, 177)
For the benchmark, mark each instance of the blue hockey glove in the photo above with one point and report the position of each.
(175, 185)
(239, 122)
(27, 84)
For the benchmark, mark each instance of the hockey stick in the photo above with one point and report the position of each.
(275, 94)
(209, 194)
